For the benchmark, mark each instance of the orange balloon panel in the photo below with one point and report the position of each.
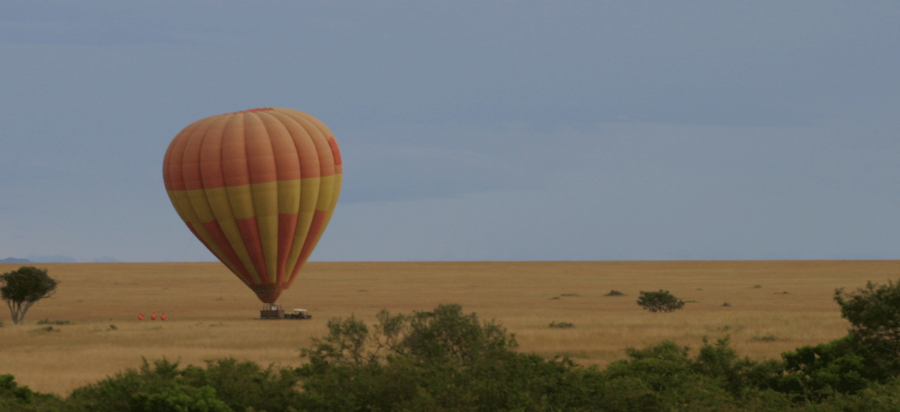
(257, 188)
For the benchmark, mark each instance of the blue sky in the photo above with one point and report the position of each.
(471, 130)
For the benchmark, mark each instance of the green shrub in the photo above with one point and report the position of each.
(53, 322)
(178, 399)
(663, 376)
(876, 397)
(9, 389)
(764, 338)
(438, 360)
(347, 342)
(661, 301)
(245, 384)
(45, 329)
(22, 399)
(874, 312)
(817, 372)
(736, 375)
(237, 385)
(444, 334)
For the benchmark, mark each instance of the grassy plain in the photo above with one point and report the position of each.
(775, 306)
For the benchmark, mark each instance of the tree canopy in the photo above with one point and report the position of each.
(874, 313)
(23, 287)
(661, 301)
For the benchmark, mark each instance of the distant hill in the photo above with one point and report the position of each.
(56, 259)
(15, 260)
(52, 259)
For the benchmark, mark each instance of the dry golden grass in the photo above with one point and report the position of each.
(211, 313)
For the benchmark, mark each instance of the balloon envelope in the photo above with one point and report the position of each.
(258, 188)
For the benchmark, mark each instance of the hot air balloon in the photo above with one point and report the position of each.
(258, 188)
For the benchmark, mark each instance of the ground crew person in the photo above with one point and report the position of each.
(153, 316)
(140, 316)
(163, 316)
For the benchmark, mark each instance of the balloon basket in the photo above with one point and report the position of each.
(275, 311)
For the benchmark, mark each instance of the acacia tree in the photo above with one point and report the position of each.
(23, 287)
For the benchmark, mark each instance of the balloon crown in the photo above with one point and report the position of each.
(260, 109)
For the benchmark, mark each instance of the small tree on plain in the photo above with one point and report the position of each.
(23, 287)
(661, 301)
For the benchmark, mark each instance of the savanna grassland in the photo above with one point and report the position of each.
(773, 306)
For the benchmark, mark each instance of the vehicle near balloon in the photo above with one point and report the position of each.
(275, 311)
(257, 188)
(299, 314)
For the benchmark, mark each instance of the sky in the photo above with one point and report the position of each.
(470, 130)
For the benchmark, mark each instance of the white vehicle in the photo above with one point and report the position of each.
(299, 314)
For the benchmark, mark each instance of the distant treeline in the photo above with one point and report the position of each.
(14, 260)
(56, 259)
(446, 360)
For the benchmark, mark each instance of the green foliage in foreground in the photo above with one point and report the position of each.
(874, 312)
(662, 377)
(224, 385)
(21, 398)
(447, 360)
